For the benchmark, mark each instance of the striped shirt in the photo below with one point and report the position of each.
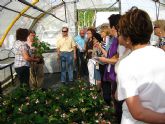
(161, 42)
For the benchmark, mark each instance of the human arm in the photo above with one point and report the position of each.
(58, 49)
(102, 50)
(130, 85)
(74, 46)
(112, 60)
(74, 49)
(24, 48)
(58, 54)
(143, 114)
(163, 47)
(28, 58)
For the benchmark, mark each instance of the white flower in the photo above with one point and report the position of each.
(97, 121)
(96, 114)
(82, 122)
(20, 109)
(27, 103)
(57, 97)
(81, 100)
(73, 109)
(37, 101)
(92, 88)
(46, 102)
(57, 110)
(83, 109)
(82, 88)
(63, 115)
(106, 107)
(27, 98)
(94, 97)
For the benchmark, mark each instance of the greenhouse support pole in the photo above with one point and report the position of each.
(14, 21)
(76, 17)
(120, 7)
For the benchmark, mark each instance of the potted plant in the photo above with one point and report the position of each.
(37, 70)
(40, 48)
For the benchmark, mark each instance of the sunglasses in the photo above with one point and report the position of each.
(155, 27)
(64, 31)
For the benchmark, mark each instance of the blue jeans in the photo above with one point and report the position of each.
(66, 60)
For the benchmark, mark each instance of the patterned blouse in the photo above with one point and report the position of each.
(161, 42)
(19, 48)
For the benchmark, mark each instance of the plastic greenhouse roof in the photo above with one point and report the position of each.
(44, 23)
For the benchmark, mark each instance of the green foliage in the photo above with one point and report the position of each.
(86, 18)
(75, 103)
(41, 47)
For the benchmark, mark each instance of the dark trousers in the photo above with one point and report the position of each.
(81, 65)
(109, 89)
(23, 75)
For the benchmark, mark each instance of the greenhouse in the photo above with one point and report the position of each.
(82, 61)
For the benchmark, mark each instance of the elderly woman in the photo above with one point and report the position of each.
(159, 30)
(22, 56)
(141, 75)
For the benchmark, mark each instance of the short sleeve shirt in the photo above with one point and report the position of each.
(142, 73)
(19, 48)
(80, 42)
(65, 44)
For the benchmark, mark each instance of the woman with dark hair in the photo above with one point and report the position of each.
(109, 84)
(88, 53)
(141, 75)
(22, 57)
(89, 43)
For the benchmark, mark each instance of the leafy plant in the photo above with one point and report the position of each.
(41, 47)
(76, 103)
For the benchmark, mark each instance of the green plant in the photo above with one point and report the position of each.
(41, 47)
(76, 103)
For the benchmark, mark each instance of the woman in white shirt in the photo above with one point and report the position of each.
(141, 75)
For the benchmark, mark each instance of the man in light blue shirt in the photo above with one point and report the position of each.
(80, 42)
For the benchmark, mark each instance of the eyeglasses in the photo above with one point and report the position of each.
(155, 27)
(64, 31)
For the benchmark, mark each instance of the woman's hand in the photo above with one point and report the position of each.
(38, 59)
(58, 57)
(90, 51)
(102, 59)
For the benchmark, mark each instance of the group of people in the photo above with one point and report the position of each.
(120, 61)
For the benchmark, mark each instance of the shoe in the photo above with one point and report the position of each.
(71, 82)
(62, 82)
